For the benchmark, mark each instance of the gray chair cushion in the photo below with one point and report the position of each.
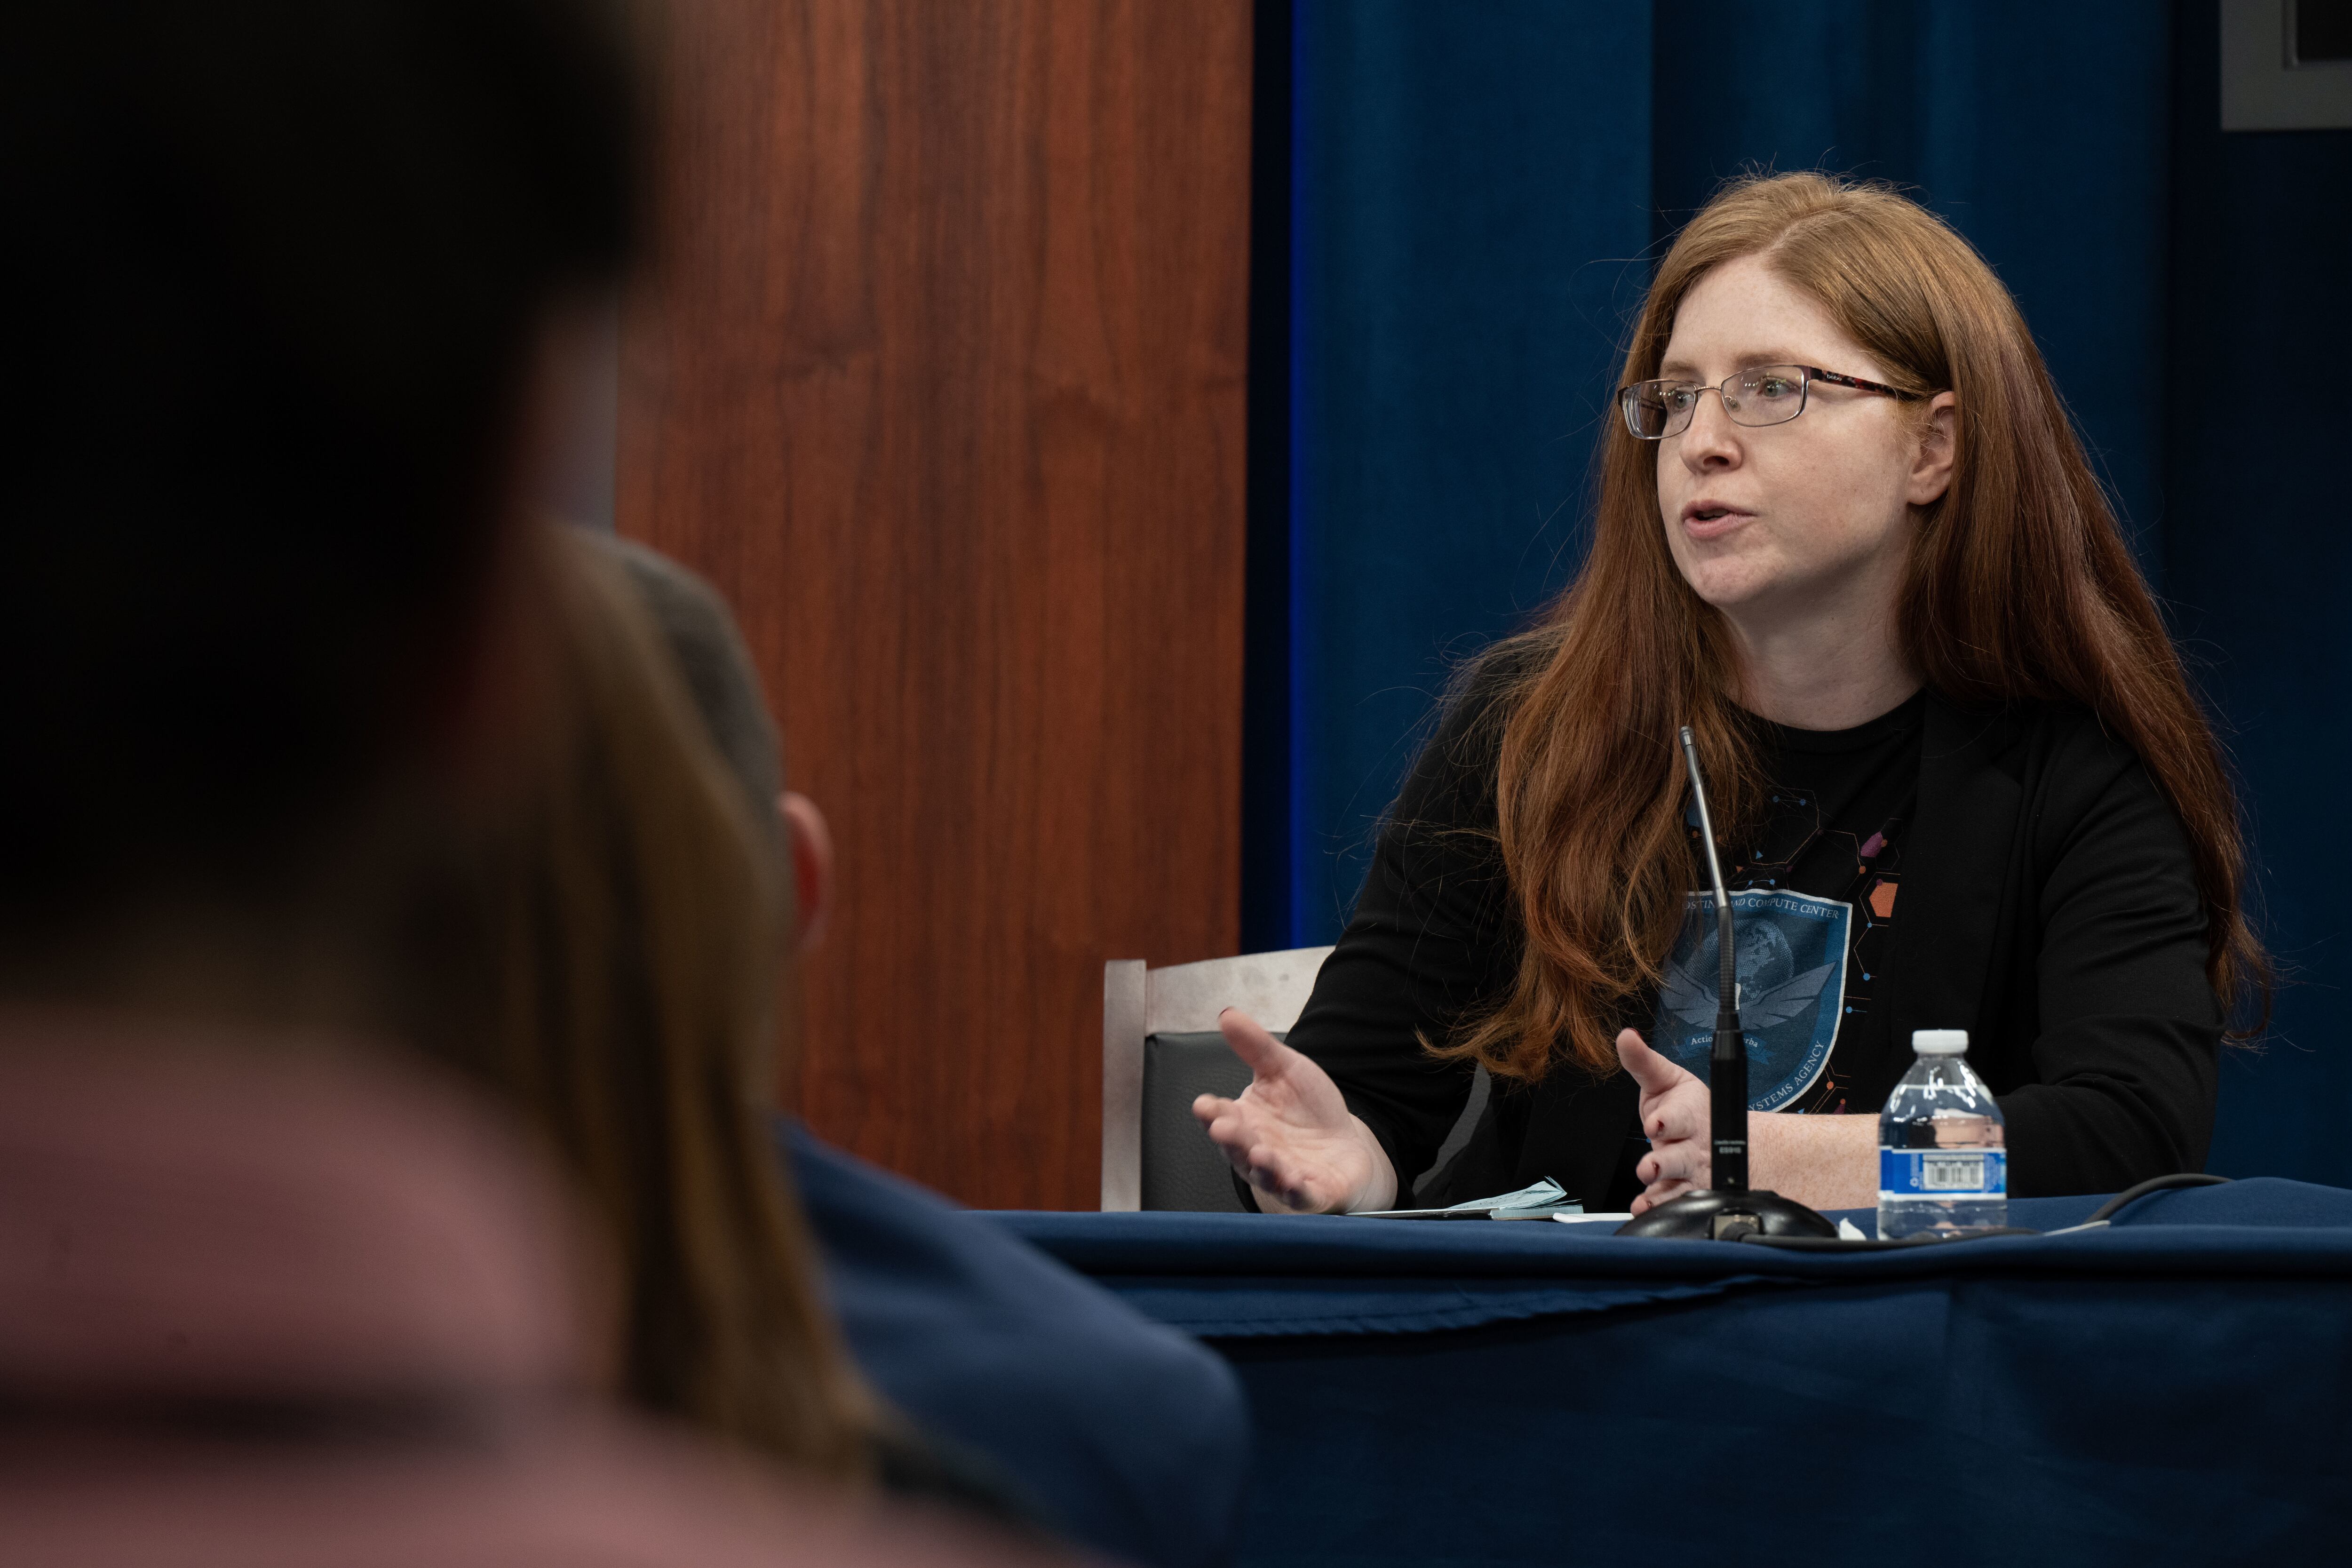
(1181, 1169)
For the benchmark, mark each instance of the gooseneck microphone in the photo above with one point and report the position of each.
(1728, 1211)
(1726, 1076)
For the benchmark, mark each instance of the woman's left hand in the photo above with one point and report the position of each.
(1827, 1161)
(1674, 1117)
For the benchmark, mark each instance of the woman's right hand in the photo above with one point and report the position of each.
(1290, 1134)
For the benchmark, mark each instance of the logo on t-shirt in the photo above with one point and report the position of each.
(1789, 950)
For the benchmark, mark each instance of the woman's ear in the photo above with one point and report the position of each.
(812, 856)
(1939, 436)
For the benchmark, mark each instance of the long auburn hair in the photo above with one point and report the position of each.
(2018, 588)
(608, 952)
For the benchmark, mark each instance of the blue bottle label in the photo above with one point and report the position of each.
(1943, 1173)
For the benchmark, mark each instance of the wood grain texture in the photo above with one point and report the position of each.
(940, 379)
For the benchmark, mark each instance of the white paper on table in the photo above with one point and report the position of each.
(1543, 1194)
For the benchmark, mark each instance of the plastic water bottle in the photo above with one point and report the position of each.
(1941, 1163)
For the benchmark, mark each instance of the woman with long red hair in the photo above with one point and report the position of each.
(1845, 531)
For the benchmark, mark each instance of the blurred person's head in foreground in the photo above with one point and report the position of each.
(288, 276)
(611, 949)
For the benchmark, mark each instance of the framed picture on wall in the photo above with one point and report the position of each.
(2286, 65)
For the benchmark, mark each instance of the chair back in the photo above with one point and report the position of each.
(1161, 1050)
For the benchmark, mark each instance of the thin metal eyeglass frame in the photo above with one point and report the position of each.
(1808, 374)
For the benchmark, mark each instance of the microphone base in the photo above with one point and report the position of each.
(1728, 1217)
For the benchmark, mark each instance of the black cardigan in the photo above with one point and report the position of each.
(2050, 909)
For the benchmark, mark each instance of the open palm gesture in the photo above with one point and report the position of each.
(1290, 1133)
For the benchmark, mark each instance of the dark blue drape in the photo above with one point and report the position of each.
(2258, 560)
(1470, 201)
(1475, 193)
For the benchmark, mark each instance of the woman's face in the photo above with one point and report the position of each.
(1802, 518)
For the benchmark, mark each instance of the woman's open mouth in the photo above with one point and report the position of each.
(1712, 519)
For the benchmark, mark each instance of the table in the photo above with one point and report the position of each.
(2177, 1387)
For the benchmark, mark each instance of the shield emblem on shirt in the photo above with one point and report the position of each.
(1789, 950)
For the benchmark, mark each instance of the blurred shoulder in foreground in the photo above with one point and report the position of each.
(1134, 1433)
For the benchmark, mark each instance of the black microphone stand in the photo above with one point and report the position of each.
(1728, 1212)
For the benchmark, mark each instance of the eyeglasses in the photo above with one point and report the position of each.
(1760, 394)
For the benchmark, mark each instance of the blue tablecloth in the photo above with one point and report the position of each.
(2175, 1388)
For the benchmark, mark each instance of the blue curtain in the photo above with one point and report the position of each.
(1471, 204)
(2258, 560)
(1475, 193)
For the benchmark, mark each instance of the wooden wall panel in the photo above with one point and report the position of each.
(940, 379)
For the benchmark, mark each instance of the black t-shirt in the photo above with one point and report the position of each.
(1837, 809)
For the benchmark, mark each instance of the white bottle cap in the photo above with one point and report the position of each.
(1940, 1042)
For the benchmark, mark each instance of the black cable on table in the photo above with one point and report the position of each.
(2105, 1213)
(1870, 1243)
